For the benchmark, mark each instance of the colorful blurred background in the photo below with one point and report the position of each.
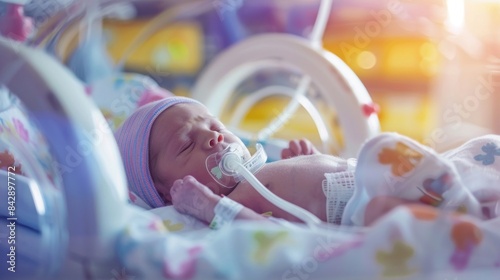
(430, 65)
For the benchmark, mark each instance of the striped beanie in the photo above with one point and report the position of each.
(133, 141)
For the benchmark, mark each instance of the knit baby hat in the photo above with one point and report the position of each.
(133, 141)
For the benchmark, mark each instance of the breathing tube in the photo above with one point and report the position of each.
(231, 166)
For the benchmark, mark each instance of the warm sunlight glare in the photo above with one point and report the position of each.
(455, 13)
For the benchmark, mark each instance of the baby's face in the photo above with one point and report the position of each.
(182, 137)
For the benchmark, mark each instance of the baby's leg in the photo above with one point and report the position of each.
(193, 198)
(392, 165)
(478, 164)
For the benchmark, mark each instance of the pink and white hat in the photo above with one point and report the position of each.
(133, 141)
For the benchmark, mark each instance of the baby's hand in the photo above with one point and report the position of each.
(193, 198)
(299, 147)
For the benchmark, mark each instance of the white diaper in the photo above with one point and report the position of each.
(338, 188)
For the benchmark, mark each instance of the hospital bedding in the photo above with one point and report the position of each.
(408, 243)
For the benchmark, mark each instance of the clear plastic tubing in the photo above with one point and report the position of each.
(231, 161)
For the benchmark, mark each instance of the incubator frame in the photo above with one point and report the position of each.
(338, 84)
(97, 189)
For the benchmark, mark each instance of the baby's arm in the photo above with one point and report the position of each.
(299, 147)
(193, 198)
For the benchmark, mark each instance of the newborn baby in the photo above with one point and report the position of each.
(165, 144)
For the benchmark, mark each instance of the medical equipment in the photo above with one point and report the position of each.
(70, 122)
(232, 162)
(323, 79)
(281, 51)
(342, 91)
(67, 120)
(218, 166)
(231, 166)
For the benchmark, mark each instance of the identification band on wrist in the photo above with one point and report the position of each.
(225, 211)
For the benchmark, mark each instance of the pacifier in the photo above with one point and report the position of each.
(222, 166)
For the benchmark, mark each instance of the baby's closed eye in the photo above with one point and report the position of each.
(186, 147)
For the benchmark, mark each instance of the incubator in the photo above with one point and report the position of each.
(305, 78)
(78, 222)
(85, 214)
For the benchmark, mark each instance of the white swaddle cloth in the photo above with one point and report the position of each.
(459, 180)
(478, 165)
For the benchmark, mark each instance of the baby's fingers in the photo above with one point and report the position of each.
(292, 150)
(305, 147)
(308, 148)
(296, 147)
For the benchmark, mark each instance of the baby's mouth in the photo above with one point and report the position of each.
(223, 148)
(223, 178)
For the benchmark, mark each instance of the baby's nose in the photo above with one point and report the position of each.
(215, 139)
